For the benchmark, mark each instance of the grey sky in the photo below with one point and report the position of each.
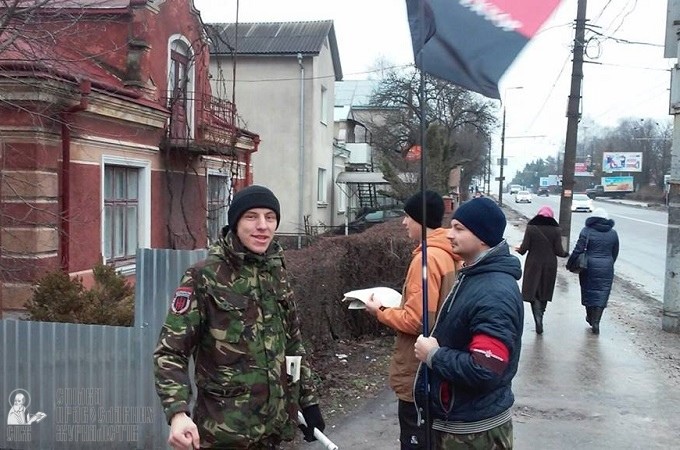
(629, 80)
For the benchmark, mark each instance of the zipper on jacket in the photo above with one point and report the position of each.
(453, 294)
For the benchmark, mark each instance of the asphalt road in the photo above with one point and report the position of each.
(642, 238)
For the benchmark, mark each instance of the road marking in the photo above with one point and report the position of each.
(643, 221)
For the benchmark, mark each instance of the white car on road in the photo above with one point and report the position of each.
(581, 202)
(523, 197)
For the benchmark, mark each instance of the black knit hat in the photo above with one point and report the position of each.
(434, 209)
(249, 198)
(483, 218)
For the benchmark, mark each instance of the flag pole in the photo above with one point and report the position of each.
(423, 232)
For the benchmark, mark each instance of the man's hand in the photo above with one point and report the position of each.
(183, 433)
(423, 347)
(373, 305)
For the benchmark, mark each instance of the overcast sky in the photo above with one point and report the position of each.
(625, 79)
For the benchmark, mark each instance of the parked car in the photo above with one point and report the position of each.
(368, 219)
(581, 202)
(523, 197)
(543, 191)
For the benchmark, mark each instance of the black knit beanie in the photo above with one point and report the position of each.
(483, 218)
(434, 209)
(249, 198)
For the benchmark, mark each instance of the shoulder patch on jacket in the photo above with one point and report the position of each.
(182, 300)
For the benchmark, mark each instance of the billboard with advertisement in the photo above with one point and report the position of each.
(581, 169)
(622, 162)
(618, 184)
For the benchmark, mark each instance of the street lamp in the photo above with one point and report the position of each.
(502, 161)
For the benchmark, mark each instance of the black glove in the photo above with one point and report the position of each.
(312, 415)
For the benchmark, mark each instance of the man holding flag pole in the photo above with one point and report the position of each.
(474, 349)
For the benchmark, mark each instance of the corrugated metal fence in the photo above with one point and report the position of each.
(93, 383)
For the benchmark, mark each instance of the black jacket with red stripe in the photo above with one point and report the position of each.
(469, 384)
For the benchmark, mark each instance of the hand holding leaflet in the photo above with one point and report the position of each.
(387, 296)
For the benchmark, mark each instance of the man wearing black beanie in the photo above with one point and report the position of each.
(407, 320)
(475, 346)
(237, 307)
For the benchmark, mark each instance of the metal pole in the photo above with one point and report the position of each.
(573, 117)
(500, 178)
(423, 244)
(301, 156)
(423, 235)
(488, 172)
(670, 320)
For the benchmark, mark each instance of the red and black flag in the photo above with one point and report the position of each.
(472, 43)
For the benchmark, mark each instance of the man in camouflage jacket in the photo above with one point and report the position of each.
(234, 313)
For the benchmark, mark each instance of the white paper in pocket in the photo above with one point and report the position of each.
(293, 367)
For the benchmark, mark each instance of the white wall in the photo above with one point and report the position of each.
(268, 103)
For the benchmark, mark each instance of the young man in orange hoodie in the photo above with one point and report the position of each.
(407, 320)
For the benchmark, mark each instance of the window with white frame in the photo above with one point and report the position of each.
(321, 187)
(121, 213)
(219, 189)
(126, 206)
(324, 105)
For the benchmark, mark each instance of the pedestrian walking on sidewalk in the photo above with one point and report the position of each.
(407, 320)
(474, 348)
(599, 241)
(234, 313)
(543, 241)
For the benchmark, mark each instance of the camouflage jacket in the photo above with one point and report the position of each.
(234, 313)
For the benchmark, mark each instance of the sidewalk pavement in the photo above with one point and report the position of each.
(573, 390)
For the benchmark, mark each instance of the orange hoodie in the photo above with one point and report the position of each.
(407, 319)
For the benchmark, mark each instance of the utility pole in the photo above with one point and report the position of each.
(671, 294)
(501, 178)
(573, 116)
(488, 171)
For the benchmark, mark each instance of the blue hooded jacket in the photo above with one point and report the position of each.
(485, 300)
(600, 242)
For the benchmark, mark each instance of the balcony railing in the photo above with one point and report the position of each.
(212, 120)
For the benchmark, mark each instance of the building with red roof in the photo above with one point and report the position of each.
(110, 138)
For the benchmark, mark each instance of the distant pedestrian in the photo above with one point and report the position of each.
(600, 243)
(474, 348)
(407, 320)
(543, 241)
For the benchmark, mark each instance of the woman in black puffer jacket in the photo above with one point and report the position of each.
(601, 244)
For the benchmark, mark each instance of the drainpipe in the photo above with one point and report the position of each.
(301, 161)
(64, 182)
(249, 155)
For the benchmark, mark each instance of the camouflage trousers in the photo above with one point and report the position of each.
(499, 438)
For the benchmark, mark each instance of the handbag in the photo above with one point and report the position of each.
(580, 263)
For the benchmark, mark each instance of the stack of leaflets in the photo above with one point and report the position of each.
(388, 296)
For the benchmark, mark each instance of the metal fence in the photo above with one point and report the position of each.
(93, 383)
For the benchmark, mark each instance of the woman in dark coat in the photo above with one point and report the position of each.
(601, 244)
(543, 241)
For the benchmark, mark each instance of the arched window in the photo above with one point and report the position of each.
(181, 87)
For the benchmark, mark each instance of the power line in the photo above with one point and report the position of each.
(552, 89)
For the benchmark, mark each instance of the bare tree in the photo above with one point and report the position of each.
(458, 125)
